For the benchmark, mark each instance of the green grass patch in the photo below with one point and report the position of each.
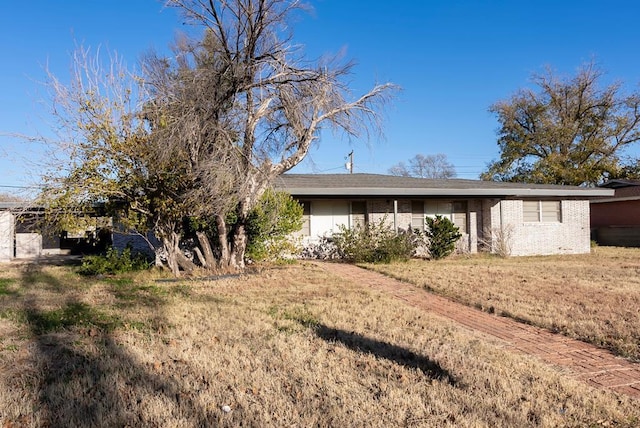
(119, 281)
(289, 320)
(76, 314)
(5, 285)
(13, 314)
(128, 291)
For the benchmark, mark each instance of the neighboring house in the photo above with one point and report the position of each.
(615, 220)
(528, 219)
(19, 238)
(16, 240)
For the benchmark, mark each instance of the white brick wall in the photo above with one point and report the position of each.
(570, 236)
(487, 219)
(404, 214)
(6, 236)
(488, 211)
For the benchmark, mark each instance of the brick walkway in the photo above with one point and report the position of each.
(589, 363)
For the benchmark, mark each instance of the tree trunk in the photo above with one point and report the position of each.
(225, 255)
(240, 239)
(239, 245)
(209, 259)
(170, 242)
(183, 262)
(200, 257)
(176, 260)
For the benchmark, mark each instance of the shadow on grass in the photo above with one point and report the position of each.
(379, 349)
(131, 294)
(34, 277)
(86, 378)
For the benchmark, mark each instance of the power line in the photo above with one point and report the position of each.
(9, 186)
(331, 169)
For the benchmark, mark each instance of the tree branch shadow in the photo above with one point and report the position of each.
(399, 355)
(85, 377)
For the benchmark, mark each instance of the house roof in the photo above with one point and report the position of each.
(344, 185)
(619, 183)
(625, 190)
(11, 205)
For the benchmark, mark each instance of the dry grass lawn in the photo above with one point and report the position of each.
(593, 297)
(289, 346)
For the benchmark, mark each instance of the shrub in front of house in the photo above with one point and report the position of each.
(270, 225)
(324, 249)
(374, 242)
(441, 236)
(114, 262)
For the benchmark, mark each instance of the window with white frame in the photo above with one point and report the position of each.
(541, 211)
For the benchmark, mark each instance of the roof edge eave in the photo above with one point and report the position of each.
(394, 192)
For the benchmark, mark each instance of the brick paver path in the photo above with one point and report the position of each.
(589, 363)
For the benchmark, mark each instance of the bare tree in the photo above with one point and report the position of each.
(10, 197)
(262, 107)
(430, 166)
(208, 129)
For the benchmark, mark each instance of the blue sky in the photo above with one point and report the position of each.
(453, 59)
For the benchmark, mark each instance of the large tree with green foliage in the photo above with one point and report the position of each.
(570, 131)
(207, 129)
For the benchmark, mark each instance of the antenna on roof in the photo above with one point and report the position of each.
(349, 164)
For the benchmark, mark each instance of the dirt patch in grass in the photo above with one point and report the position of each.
(292, 346)
(593, 297)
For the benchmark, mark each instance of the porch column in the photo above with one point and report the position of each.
(395, 215)
(473, 207)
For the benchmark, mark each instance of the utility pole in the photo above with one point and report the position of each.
(349, 164)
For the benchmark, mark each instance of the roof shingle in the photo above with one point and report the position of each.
(388, 185)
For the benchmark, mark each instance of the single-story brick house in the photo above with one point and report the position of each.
(531, 219)
(615, 220)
